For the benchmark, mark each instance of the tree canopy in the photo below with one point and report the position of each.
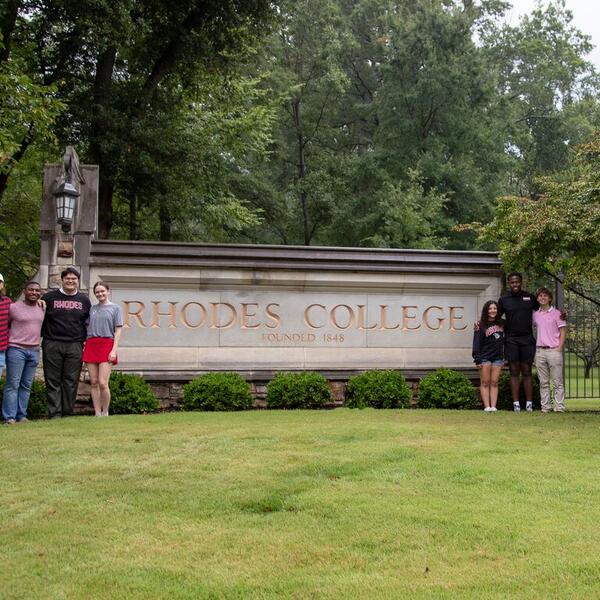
(337, 122)
(557, 232)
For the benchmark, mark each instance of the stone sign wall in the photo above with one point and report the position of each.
(192, 308)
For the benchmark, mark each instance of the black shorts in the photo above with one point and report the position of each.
(519, 348)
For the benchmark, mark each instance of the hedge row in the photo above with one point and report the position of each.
(377, 389)
(130, 394)
(444, 388)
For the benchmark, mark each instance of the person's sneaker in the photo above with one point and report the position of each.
(529, 407)
(23, 420)
(559, 410)
(9, 422)
(516, 407)
(487, 409)
(493, 409)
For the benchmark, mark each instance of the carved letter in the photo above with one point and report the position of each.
(273, 316)
(362, 318)
(137, 314)
(184, 316)
(333, 317)
(156, 314)
(383, 313)
(307, 319)
(215, 323)
(406, 317)
(440, 320)
(454, 317)
(246, 315)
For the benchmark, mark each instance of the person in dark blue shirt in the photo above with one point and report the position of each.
(488, 353)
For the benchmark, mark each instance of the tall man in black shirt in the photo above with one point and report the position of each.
(64, 331)
(519, 346)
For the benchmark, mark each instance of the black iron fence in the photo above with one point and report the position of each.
(582, 355)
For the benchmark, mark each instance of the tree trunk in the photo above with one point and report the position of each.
(8, 18)
(301, 171)
(165, 223)
(100, 130)
(14, 160)
(105, 212)
(133, 224)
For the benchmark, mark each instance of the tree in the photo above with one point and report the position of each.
(547, 89)
(558, 232)
(111, 61)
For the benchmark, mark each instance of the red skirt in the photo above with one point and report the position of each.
(96, 350)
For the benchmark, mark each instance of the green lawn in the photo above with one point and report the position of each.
(330, 504)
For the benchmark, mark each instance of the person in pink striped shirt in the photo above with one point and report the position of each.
(23, 355)
(550, 340)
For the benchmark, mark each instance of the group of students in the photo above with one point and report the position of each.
(497, 340)
(70, 332)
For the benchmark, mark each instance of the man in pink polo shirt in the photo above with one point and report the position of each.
(550, 341)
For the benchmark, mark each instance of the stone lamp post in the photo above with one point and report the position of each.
(68, 219)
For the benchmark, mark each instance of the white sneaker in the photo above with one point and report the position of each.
(516, 407)
(529, 407)
(493, 409)
(488, 409)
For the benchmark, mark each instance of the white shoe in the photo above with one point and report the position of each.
(529, 407)
(488, 409)
(493, 409)
(516, 407)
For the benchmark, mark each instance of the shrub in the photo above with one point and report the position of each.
(298, 390)
(378, 389)
(218, 392)
(38, 403)
(505, 396)
(130, 394)
(447, 389)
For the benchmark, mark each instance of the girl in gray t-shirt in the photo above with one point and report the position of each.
(100, 352)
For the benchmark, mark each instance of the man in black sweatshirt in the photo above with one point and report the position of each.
(519, 346)
(64, 332)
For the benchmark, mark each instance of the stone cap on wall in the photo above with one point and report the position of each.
(305, 258)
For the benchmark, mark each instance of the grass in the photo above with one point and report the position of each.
(299, 504)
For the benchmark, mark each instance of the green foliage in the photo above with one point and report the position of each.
(19, 222)
(545, 83)
(217, 392)
(298, 390)
(130, 394)
(357, 123)
(505, 397)
(446, 388)
(38, 403)
(378, 389)
(30, 112)
(557, 233)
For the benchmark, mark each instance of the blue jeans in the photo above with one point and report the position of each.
(2, 362)
(20, 370)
